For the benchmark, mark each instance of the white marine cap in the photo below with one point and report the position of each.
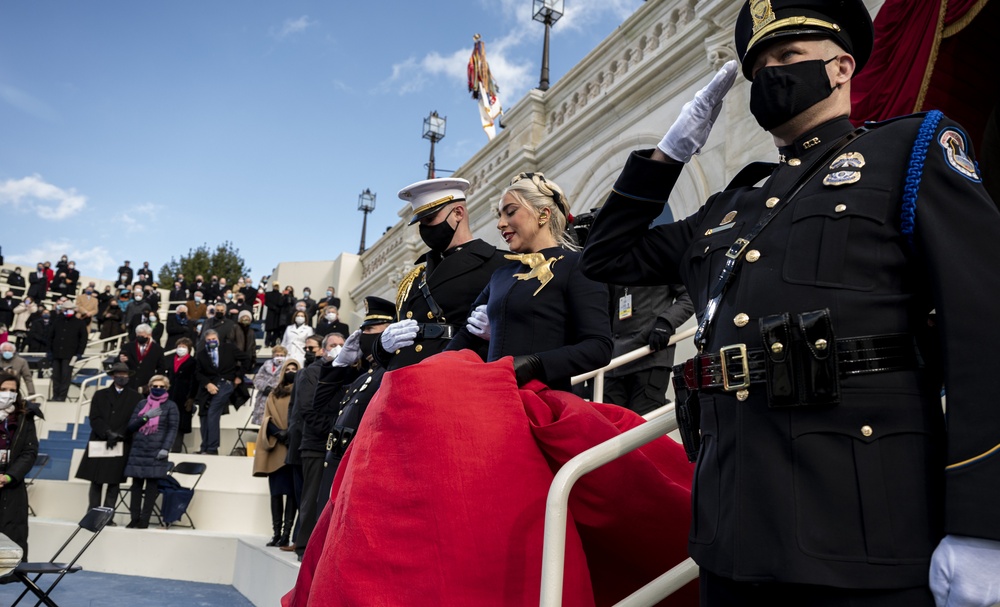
(429, 195)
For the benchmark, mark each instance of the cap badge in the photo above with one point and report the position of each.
(850, 160)
(762, 14)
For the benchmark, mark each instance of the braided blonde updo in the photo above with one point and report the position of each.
(536, 193)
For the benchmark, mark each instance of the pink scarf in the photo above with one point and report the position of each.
(152, 402)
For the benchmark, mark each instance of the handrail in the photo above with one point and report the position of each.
(658, 423)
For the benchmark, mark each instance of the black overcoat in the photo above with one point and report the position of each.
(109, 410)
(14, 495)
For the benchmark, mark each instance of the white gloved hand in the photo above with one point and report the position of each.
(350, 352)
(399, 335)
(965, 572)
(690, 131)
(479, 323)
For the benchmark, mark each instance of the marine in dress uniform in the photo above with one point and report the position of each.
(825, 465)
(433, 299)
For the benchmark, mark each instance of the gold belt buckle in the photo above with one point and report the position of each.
(737, 352)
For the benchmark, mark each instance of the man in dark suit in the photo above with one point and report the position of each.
(144, 357)
(826, 472)
(144, 276)
(272, 319)
(125, 274)
(644, 316)
(69, 340)
(331, 323)
(435, 297)
(218, 369)
(16, 281)
(38, 284)
(7, 308)
(178, 326)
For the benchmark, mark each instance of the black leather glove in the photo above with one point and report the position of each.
(281, 436)
(113, 439)
(526, 368)
(659, 337)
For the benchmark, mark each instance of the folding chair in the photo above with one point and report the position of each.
(240, 446)
(41, 461)
(94, 522)
(124, 501)
(177, 499)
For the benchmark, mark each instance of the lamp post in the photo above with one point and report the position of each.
(366, 204)
(548, 12)
(434, 127)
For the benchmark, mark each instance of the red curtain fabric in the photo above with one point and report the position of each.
(907, 36)
(441, 498)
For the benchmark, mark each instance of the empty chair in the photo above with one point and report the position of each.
(41, 460)
(177, 497)
(94, 522)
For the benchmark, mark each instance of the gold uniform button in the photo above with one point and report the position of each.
(742, 395)
(409, 314)
(840, 208)
(741, 320)
(794, 162)
(398, 351)
(772, 202)
(430, 315)
(753, 256)
(866, 431)
(419, 348)
(777, 347)
(821, 344)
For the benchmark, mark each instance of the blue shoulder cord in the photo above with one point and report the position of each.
(915, 171)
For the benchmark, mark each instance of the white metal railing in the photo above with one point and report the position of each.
(658, 423)
(114, 338)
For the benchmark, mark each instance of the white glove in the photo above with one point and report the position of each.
(965, 572)
(350, 352)
(479, 323)
(399, 335)
(690, 131)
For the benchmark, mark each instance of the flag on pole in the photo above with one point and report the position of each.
(483, 87)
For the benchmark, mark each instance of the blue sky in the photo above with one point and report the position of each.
(139, 130)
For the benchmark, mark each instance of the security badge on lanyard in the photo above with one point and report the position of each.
(625, 306)
(4, 457)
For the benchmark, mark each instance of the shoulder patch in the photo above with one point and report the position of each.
(952, 142)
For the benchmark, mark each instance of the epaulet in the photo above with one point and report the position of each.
(404, 287)
(751, 174)
(872, 124)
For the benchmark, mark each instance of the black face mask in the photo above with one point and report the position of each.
(289, 377)
(142, 339)
(438, 236)
(782, 92)
(310, 357)
(367, 343)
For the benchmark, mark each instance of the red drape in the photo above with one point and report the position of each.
(440, 500)
(907, 38)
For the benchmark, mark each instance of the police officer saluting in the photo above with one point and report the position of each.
(434, 299)
(827, 473)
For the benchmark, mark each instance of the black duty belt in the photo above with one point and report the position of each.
(736, 367)
(434, 330)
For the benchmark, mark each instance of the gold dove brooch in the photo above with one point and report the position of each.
(541, 268)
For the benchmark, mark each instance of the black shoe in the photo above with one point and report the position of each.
(274, 541)
(132, 524)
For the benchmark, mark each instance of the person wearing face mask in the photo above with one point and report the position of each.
(179, 325)
(144, 276)
(178, 296)
(329, 299)
(539, 308)
(38, 283)
(272, 315)
(295, 336)
(39, 336)
(7, 305)
(310, 304)
(69, 340)
(433, 299)
(152, 427)
(13, 364)
(87, 305)
(246, 337)
(217, 321)
(197, 308)
(150, 318)
(136, 306)
(19, 447)
(125, 273)
(270, 454)
(348, 379)
(143, 356)
(110, 411)
(825, 467)
(111, 320)
(16, 282)
(331, 323)
(219, 368)
(264, 380)
(180, 367)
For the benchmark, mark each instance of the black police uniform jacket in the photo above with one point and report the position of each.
(565, 323)
(857, 494)
(454, 280)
